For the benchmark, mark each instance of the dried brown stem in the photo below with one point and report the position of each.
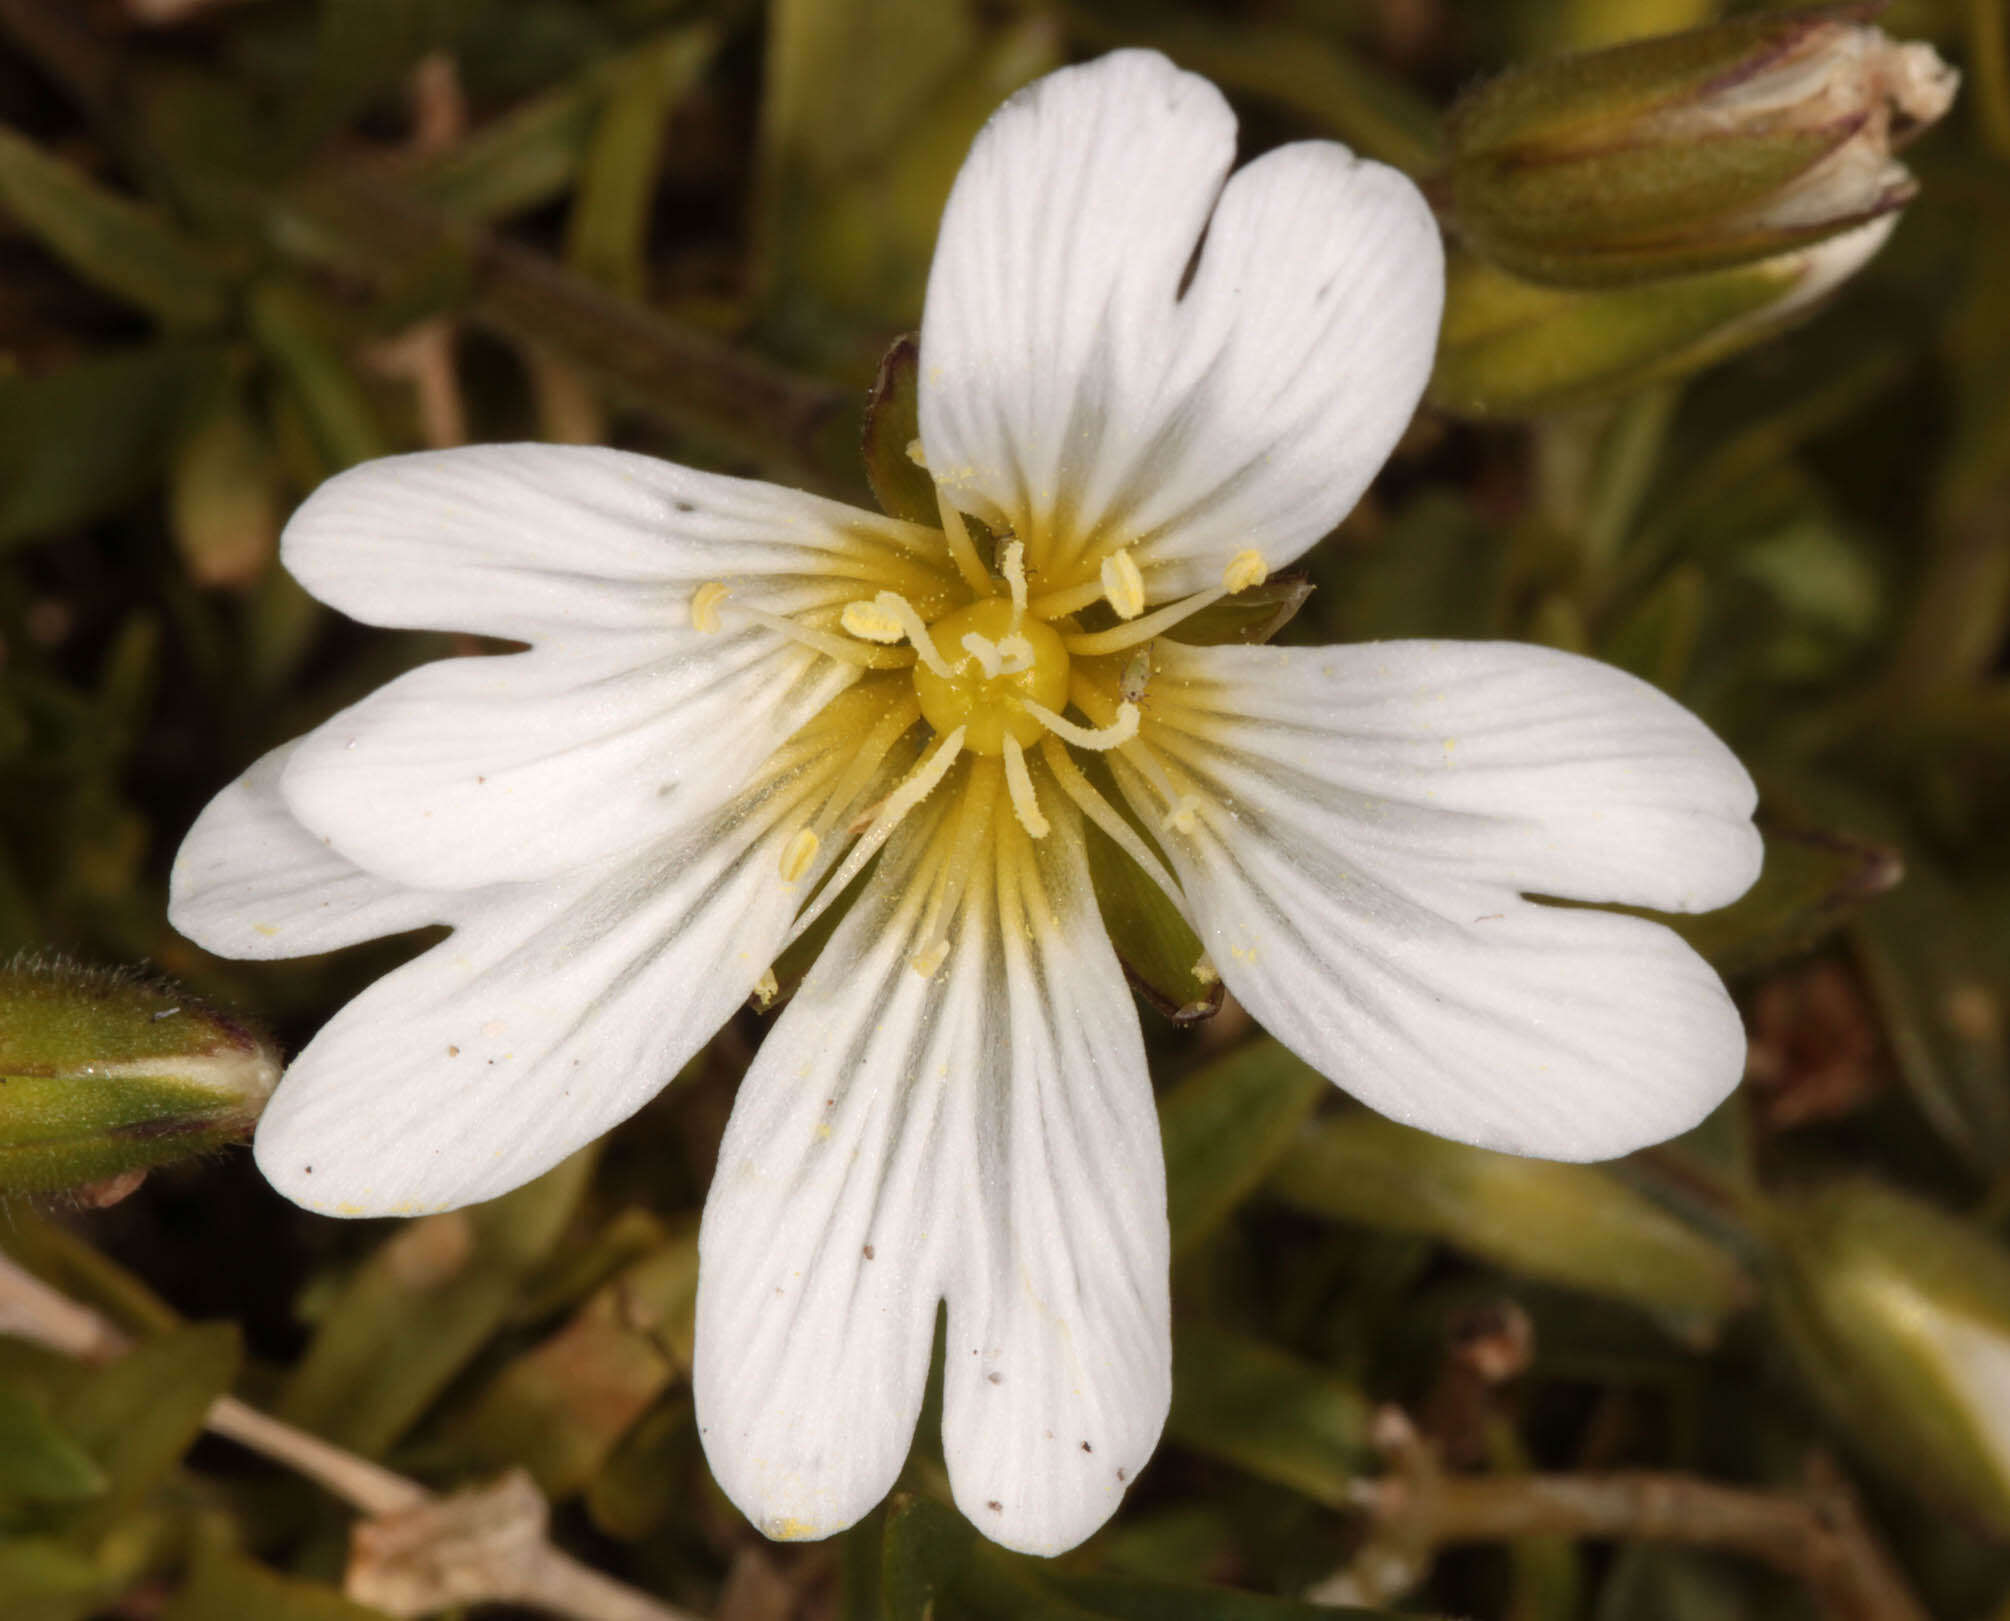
(1814, 1535)
(422, 1552)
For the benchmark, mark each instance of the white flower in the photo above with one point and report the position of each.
(1151, 382)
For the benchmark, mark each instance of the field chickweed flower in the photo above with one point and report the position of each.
(1150, 383)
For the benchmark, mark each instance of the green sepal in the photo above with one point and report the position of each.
(893, 425)
(1641, 161)
(105, 1073)
(1157, 947)
(1248, 617)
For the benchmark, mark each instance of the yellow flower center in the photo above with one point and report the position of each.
(994, 665)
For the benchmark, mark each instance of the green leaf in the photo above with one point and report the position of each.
(1316, 77)
(1574, 1225)
(112, 242)
(1225, 1127)
(298, 338)
(937, 1568)
(1812, 883)
(1249, 1404)
(421, 1307)
(1125, 1598)
(892, 427)
(525, 159)
(1942, 993)
(607, 233)
(228, 1587)
(49, 1579)
(561, 1408)
(81, 442)
(139, 1414)
(37, 1460)
(647, 1477)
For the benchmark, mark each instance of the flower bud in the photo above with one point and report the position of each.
(1898, 1317)
(105, 1074)
(1515, 348)
(1692, 151)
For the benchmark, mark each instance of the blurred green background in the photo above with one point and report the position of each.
(1762, 1372)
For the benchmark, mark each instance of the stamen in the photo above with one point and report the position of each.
(864, 765)
(917, 455)
(1056, 603)
(705, 607)
(962, 550)
(798, 853)
(1119, 637)
(1121, 731)
(901, 611)
(841, 648)
(870, 623)
(987, 654)
(1184, 817)
(1019, 782)
(966, 851)
(1123, 584)
(1106, 816)
(1204, 970)
(914, 788)
(1246, 570)
(766, 989)
(926, 962)
(1014, 569)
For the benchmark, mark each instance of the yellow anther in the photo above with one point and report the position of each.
(917, 455)
(705, 606)
(1245, 569)
(798, 853)
(766, 989)
(1204, 970)
(1123, 584)
(1019, 783)
(926, 962)
(1184, 817)
(871, 623)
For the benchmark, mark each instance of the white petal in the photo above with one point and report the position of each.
(1075, 389)
(986, 1134)
(1361, 829)
(250, 881)
(571, 542)
(1058, 1361)
(553, 1012)
(487, 770)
